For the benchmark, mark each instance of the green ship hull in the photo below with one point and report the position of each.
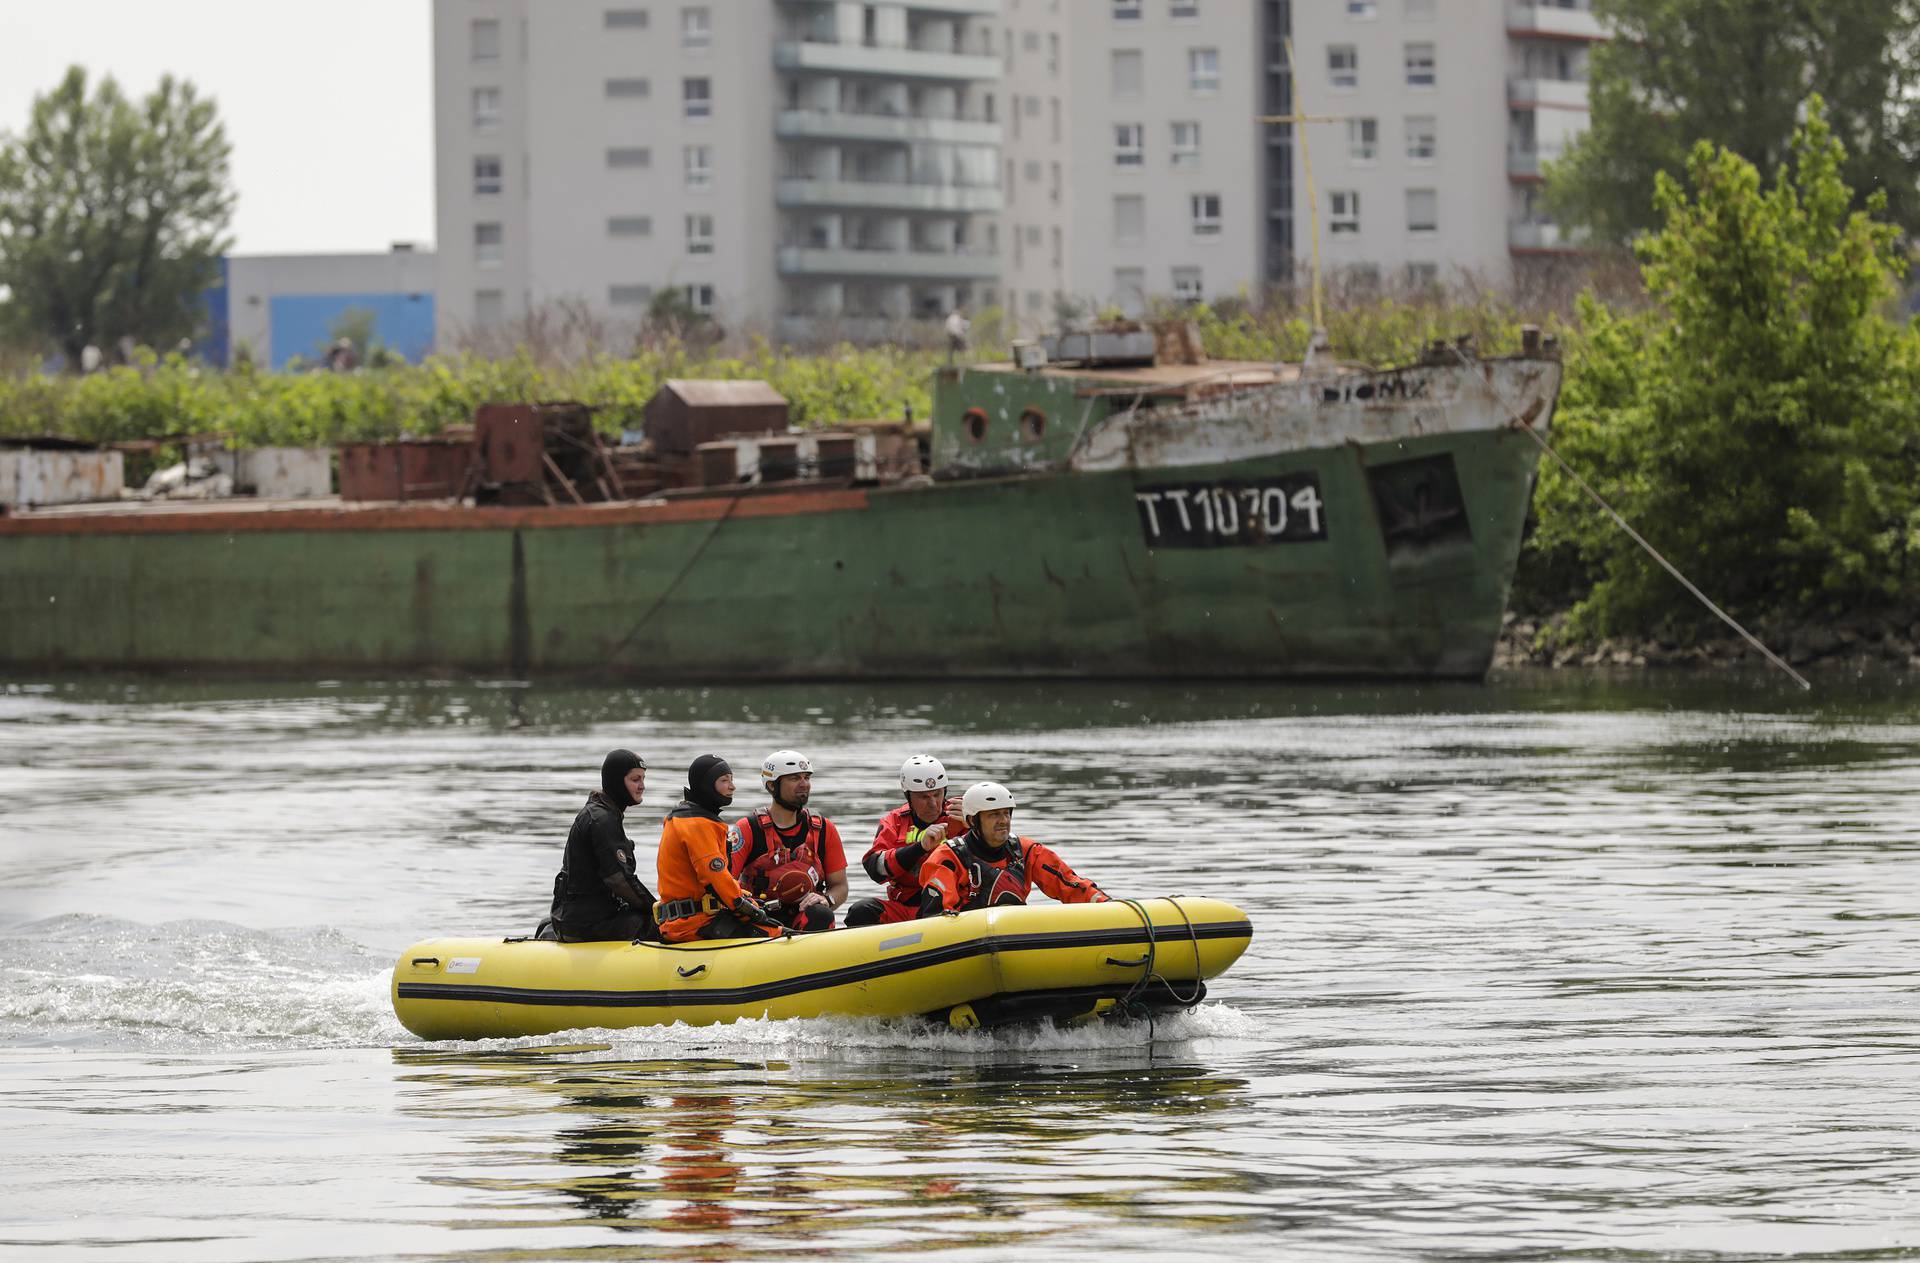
(1043, 553)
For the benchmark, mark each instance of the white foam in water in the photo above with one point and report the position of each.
(93, 981)
(190, 984)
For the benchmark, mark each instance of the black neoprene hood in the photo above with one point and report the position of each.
(707, 769)
(613, 776)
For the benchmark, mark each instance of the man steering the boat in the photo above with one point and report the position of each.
(907, 835)
(699, 896)
(989, 867)
(786, 856)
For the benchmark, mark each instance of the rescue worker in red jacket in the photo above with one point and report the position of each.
(907, 835)
(989, 867)
(699, 898)
(784, 848)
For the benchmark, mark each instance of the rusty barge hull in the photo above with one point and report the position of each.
(1366, 527)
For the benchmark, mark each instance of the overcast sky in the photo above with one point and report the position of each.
(329, 107)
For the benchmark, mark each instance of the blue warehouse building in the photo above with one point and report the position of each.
(287, 307)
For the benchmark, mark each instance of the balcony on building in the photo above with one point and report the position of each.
(1541, 236)
(1547, 94)
(1527, 164)
(797, 192)
(918, 265)
(1534, 19)
(811, 51)
(882, 126)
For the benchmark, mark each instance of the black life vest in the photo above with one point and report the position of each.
(993, 885)
(767, 850)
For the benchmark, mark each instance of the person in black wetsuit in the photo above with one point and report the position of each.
(597, 896)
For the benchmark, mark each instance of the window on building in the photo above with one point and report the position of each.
(628, 89)
(489, 308)
(1054, 184)
(1035, 235)
(1423, 137)
(488, 175)
(629, 295)
(1129, 219)
(1030, 40)
(1186, 144)
(699, 167)
(1423, 275)
(1059, 246)
(1130, 288)
(1420, 66)
(696, 28)
(1343, 213)
(1343, 66)
(1419, 10)
(630, 226)
(489, 245)
(1363, 277)
(1184, 10)
(699, 234)
(1423, 210)
(1187, 285)
(1206, 214)
(1362, 10)
(1363, 139)
(1126, 10)
(1053, 104)
(1203, 70)
(1031, 170)
(629, 158)
(1128, 76)
(1036, 300)
(1129, 145)
(1053, 54)
(486, 108)
(700, 298)
(486, 39)
(696, 96)
(626, 19)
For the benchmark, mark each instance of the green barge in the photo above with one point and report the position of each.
(1090, 520)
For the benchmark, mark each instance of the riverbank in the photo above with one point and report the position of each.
(1852, 642)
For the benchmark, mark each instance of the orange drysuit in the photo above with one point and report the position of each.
(964, 874)
(694, 846)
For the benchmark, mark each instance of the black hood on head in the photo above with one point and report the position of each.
(707, 769)
(613, 776)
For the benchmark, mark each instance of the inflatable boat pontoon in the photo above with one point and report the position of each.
(971, 969)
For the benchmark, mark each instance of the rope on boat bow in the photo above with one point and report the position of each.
(1149, 974)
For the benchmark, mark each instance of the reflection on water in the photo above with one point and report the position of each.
(957, 1153)
(1566, 968)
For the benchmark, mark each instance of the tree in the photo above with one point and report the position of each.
(1758, 424)
(113, 214)
(1737, 74)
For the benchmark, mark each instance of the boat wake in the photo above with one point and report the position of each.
(94, 982)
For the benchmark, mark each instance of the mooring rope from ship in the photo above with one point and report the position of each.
(1500, 397)
(686, 569)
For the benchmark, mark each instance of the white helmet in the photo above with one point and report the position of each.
(921, 773)
(783, 763)
(986, 796)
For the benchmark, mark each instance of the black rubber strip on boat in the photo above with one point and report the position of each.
(775, 988)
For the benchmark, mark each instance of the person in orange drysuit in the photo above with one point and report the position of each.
(699, 896)
(907, 835)
(988, 867)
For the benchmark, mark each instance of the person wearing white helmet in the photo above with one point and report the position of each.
(786, 856)
(906, 836)
(988, 866)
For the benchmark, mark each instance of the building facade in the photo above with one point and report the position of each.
(827, 168)
(1440, 115)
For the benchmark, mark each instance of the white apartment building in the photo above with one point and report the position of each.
(818, 168)
(1444, 112)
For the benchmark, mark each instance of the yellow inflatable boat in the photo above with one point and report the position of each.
(972, 969)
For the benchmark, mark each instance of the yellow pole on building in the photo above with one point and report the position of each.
(1306, 163)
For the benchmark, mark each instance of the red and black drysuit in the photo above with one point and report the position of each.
(965, 874)
(894, 861)
(763, 847)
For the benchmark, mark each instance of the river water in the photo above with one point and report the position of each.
(1554, 968)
